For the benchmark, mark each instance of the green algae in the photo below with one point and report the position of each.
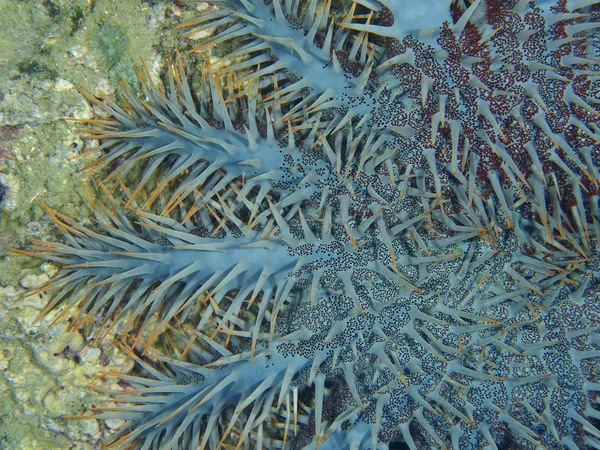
(49, 49)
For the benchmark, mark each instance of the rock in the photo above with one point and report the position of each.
(113, 424)
(49, 269)
(90, 427)
(8, 292)
(32, 281)
(53, 404)
(63, 85)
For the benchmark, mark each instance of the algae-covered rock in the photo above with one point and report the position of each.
(45, 373)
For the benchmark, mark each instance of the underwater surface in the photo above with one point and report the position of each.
(369, 224)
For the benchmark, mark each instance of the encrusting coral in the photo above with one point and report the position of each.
(378, 230)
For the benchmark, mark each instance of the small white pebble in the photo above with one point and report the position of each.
(91, 355)
(90, 427)
(8, 291)
(63, 85)
(49, 269)
(32, 281)
(113, 423)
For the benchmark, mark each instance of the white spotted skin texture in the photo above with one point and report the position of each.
(364, 231)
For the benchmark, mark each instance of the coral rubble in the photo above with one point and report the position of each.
(358, 232)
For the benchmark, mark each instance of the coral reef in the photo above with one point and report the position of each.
(355, 233)
(45, 373)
